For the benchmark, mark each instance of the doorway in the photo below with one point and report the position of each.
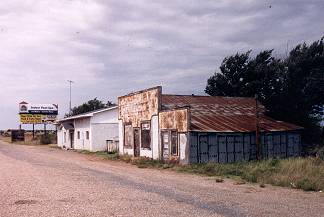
(136, 142)
(72, 139)
(165, 145)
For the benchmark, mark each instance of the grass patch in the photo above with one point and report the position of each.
(54, 146)
(301, 173)
(102, 154)
(144, 162)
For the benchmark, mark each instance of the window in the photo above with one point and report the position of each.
(78, 134)
(64, 137)
(146, 135)
(87, 135)
(174, 143)
(128, 134)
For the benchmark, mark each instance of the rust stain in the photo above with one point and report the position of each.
(224, 114)
(141, 106)
(174, 119)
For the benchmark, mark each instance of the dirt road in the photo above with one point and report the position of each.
(40, 181)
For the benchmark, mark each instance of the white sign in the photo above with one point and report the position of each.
(44, 109)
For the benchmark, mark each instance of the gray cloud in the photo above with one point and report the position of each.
(112, 47)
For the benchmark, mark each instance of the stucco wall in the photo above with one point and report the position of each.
(140, 106)
(133, 110)
(100, 133)
(155, 133)
(82, 125)
(60, 138)
(110, 116)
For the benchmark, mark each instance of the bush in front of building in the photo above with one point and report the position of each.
(46, 139)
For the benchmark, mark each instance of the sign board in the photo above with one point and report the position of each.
(42, 109)
(36, 119)
(37, 113)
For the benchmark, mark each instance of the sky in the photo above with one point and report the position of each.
(110, 48)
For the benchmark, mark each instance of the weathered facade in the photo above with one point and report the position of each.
(91, 131)
(197, 129)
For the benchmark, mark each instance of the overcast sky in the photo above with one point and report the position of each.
(112, 47)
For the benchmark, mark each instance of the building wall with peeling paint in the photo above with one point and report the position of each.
(141, 106)
(174, 119)
(144, 107)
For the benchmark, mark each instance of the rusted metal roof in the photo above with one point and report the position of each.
(224, 114)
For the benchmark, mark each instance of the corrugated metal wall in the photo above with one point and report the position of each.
(234, 147)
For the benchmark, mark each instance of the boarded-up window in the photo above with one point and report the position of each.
(174, 143)
(128, 136)
(146, 135)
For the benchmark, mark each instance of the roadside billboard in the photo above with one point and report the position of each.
(36, 119)
(41, 109)
(37, 113)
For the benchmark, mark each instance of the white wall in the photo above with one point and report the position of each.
(104, 126)
(121, 137)
(154, 152)
(60, 138)
(82, 126)
(183, 148)
(110, 116)
(100, 133)
(155, 137)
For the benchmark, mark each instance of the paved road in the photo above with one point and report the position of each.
(40, 181)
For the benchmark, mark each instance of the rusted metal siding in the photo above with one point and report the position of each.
(176, 119)
(140, 106)
(224, 114)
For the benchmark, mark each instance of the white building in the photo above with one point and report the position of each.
(90, 131)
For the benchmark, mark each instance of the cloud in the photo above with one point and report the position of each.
(112, 47)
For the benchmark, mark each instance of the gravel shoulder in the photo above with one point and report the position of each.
(41, 181)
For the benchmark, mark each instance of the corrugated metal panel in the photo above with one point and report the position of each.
(236, 147)
(224, 114)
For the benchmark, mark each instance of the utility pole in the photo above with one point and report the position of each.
(70, 105)
(257, 129)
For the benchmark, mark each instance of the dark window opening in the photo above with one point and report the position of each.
(174, 143)
(146, 135)
(87, 135)
(78, 134)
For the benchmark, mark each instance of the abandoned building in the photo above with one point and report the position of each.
(199, 129)
(92, 131)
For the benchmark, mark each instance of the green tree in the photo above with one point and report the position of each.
(292, 89)
(89, 106)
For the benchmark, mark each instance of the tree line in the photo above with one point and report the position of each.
(291, 88)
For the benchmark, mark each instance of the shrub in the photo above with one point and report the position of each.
(320, 153)
(46, 139)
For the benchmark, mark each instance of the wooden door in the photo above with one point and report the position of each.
(136, 142)
(203, 149)
(72, 139)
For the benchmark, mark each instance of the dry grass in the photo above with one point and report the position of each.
(301, 173)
